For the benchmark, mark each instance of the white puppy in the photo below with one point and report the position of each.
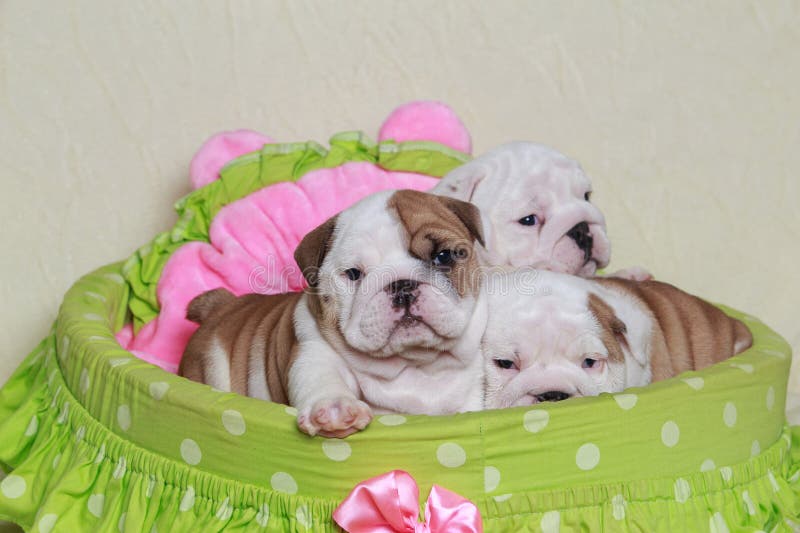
(392, 313)
(536, 208)
(551, 336)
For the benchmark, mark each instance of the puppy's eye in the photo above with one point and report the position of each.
(505, 364)
(530, 220)
(588, 363)
(587, 196)
(444, 258)
(353, 274)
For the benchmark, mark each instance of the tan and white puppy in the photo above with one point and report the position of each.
(391, 314)
(552, 336)
(536, 209)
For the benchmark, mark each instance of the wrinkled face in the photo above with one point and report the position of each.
(399, 276)
(537, 204)
(552, 344)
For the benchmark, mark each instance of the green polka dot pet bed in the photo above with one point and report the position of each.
(97, 437)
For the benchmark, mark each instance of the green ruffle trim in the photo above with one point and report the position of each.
(272, 164)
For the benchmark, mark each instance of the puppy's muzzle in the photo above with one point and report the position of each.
(403, 292)
(580, 234)
(552, 396)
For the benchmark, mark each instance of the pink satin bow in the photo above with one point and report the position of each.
(389, 503)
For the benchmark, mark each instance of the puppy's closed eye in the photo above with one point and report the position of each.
(506, 364)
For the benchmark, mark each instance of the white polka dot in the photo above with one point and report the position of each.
(770, 398)
(224, 511)
(121, 522)
(773, 481)
(502, 497)
(392, 420)
(707, 465)
(291, 411)
(119, 361)
(13, 487)
(64, 352)
(451, 455)
(670, 434)
(121, 468)
(588, 456)
(190, 451)
(695, 383)
(96, 504)
(101, 454)
(62, 416)
(283, 482)
(151, 486)
(99, 338)
(93, 317)
(774, 353)
(124, 417)
(47, 523)
(233, 421)
(262, 517)
(682, 490)
(491, 478)
(748, 502)
(729, 414)
(755, 448)
(336, 449)
(80, 433)
(551, 522)
(84, 381)
(745, 367)
(153, 529)
(726, 472)
(626, 401)
(303, 516)
(717, 524)
(536, 420)
(96, 296)
(187, 502)
(33, 427)
(56, 460)
(618, 505)
(158, 389)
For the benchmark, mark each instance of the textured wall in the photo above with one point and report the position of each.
(687, 115)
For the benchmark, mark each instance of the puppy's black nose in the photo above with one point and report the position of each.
(580, 234)
(552, 396)
(402, 292)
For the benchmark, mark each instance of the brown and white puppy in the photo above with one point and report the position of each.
(536, 208)
(552, 336)
(391, 314)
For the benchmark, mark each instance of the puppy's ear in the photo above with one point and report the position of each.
(615, 332)
(311, 251)
(468, 214)
(461, 182)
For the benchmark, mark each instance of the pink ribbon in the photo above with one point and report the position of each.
(389, 503)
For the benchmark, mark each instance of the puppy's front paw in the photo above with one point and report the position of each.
(334, 417)
(632, 273)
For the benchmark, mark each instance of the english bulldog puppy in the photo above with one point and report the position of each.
(536, 209)
(552, 336)
(392, 314)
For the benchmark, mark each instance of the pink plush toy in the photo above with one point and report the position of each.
(253, 239)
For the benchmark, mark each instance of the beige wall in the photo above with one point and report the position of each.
(687, 115)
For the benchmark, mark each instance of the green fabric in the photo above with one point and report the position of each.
(250, 172)
(95, 439)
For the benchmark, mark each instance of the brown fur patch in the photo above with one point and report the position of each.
(689, 333)
(253, 325)
(436, 223)
(311, 251)
(613, 329)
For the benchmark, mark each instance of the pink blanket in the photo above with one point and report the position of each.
(252, 240)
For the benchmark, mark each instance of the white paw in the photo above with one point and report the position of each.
(632, 273)
(334, 417)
